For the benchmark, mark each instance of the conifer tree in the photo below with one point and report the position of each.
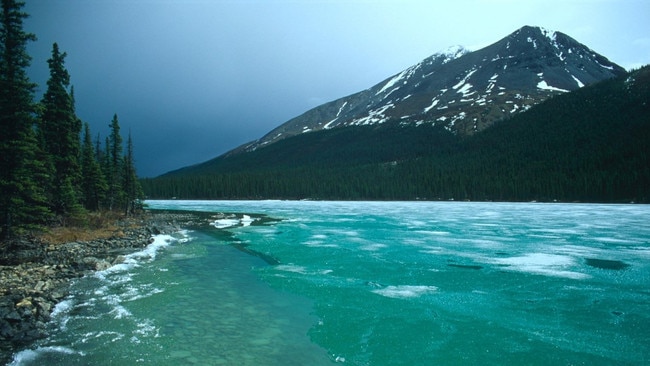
(114, 168)
(22, 200)
(132, 189)
(93, 182)
(61, 129)
(98, 150)
(105, 164)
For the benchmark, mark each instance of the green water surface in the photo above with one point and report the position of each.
(375, 283)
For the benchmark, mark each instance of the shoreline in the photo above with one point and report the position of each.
(35, 276)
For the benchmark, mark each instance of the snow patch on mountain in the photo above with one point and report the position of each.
(550, 34)
(340, 109)
(375, 116)
(328, 125)
(452, 53)
(463, 87)
(392, 81)
(464, 80)
(580, 84)
(608, 67)
(433, 104)
(404, 75)
(544, 86)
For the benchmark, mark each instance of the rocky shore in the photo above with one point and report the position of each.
(35, 275)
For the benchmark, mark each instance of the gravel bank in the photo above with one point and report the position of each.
(35, 276)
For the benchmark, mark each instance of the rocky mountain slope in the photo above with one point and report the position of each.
(463, 91)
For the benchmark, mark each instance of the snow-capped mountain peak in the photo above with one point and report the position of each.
(451, 53)
(464, 91)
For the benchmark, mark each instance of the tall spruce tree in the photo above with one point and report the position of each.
(114, 165)
(61, 129)
(99, 154)
(22, 199)
(132, 189)
(93, 182)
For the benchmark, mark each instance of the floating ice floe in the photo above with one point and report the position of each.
(405, 291)
(544, 264)
(231, 222)
(246, 220)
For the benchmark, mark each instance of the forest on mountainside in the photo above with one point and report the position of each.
(590, 145)
(49, 173)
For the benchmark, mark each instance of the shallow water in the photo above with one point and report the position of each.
(373, 283)
(196, 302)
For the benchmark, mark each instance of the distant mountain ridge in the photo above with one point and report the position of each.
(463, 91)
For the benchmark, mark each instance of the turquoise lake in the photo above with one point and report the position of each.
(370, 283)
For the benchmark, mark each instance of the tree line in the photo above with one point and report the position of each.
(51, 170)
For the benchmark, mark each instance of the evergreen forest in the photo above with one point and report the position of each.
(591, 145)
(51, 170)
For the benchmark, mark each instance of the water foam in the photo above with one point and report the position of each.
(133, 260)
(120, 312)
(151, 250)
(62, 308)
(113, 336)
(29, 356)
(110, 288)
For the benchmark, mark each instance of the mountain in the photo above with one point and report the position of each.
(590, 144)
(462, 91)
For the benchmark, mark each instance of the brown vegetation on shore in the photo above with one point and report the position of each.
(98, 225)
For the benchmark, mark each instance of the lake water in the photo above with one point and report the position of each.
(371, 283)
